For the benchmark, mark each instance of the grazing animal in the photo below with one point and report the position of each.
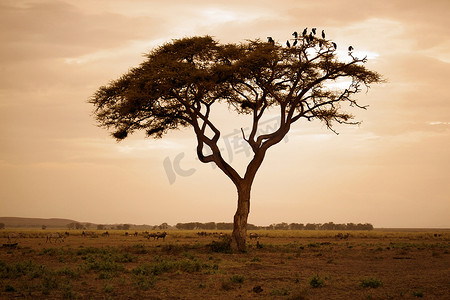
(56, 236)
(342, 236)
(106, 233)
(254, 236)
(83, 234)
(153, 235)
(66, 233)
(13, 236)
(161, 235)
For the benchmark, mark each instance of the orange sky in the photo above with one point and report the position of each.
(392, 171)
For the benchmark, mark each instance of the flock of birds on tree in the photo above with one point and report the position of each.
(308, 38)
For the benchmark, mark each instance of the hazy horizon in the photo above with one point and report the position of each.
(194, 221)
(391, 171)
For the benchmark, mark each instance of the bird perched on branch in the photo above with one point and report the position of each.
(305, 31)
(323, 34)
(270, 40)
(295, 34)
(314, 31)
(288, 44)
(334, 45)
(350, 48)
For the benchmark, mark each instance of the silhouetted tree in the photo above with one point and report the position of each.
(163, 226)
(296, 226)
(311, 226)
(180, 83)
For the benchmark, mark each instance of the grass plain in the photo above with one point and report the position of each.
(379, 264)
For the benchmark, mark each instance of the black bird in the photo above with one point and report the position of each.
(294, 44)
(314, 31)
(334, 45)
(270, 40)
(305, 31)
(288, 44)
(295, 34)
(311, 38)
(323, 34)
(350, 48)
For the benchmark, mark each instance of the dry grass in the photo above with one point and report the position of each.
(290, 265)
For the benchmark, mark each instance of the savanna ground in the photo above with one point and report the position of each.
(285, 265)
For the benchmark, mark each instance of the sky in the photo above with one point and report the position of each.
(393, 170)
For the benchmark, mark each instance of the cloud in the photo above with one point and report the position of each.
(57, 29)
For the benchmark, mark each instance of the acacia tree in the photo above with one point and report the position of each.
(180, 83)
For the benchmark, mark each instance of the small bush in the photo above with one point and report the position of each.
(108, 288)
(9, 288)
(418, 294)
(371, 283)
(223, 246)
(67, 291)
(144, 282)
(279, 292)
(316, 282)
(237, 278)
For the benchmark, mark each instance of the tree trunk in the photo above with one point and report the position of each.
(240, 218)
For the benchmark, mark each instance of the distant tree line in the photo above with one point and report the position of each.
(225, 226)
(279, 226)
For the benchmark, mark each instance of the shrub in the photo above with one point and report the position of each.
(9, 288)
(418, 294)
(316, 282)
(144, 282)
(108, 288)
(371, 282)
(222, 246)
(237, 278)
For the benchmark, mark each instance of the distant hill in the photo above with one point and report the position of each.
(34, 222)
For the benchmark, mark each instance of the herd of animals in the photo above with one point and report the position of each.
(55, 237)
